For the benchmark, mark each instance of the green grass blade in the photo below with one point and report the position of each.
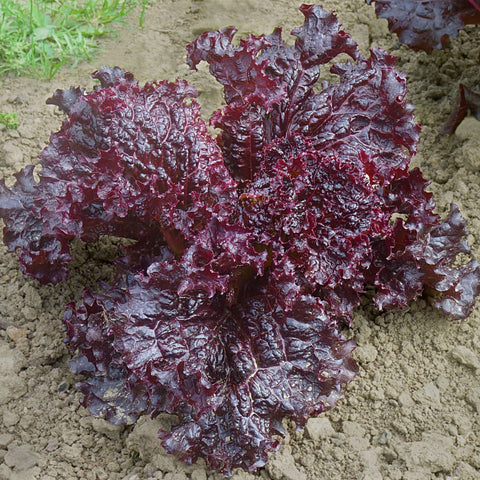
(38, 36)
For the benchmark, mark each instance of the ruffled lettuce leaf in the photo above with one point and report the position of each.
(427, 25)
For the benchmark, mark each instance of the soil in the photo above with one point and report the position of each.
(412, 413)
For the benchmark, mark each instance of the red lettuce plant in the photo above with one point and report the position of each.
(251, 249)
(427, 24)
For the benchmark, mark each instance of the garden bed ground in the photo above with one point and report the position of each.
(412, 413)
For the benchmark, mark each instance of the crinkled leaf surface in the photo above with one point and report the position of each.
(110, 390)
(248, 123)
(230, 374)
(316, 215)
(426, 24)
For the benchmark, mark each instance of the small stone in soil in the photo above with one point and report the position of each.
(466, 357)
(319, 428)
(51, 446)
(10, 418)
(12, 154)
(385, 438)
(5, 439)
(282, 467)
(198, 475)
(16, 334)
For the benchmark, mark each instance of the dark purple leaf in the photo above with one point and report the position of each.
(426, 24)
(457, 285)
(230, 374)
(365, 112)
(42, 256)
(65, 99)
(422, 252)
(108, 77)
(110, 390)
(257, 113)
(237, 68)
(475, 4)
(320, 39)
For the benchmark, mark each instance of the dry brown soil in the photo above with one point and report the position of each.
(412, 413)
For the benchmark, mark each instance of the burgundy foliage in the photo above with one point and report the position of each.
(251, 249)
(427, 24)
(467, 101)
